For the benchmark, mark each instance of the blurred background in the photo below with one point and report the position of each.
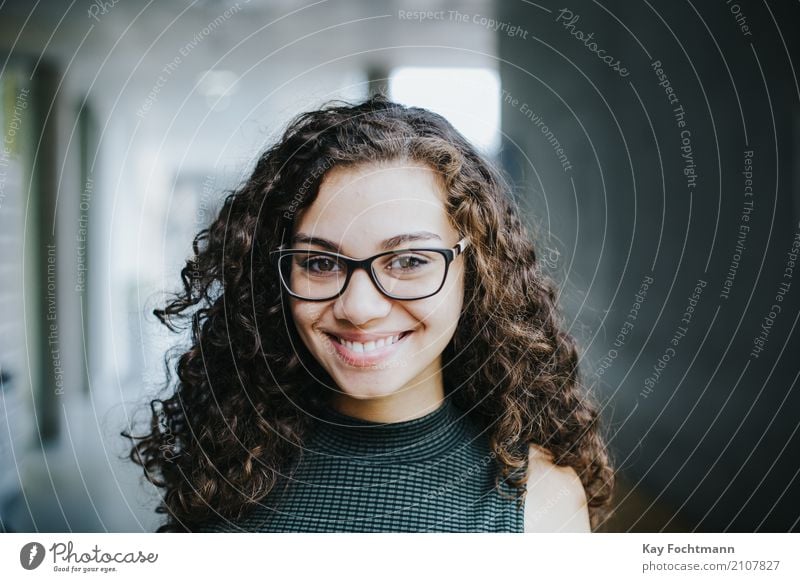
(653, 147)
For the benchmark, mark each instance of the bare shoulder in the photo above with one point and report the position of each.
(556, 500)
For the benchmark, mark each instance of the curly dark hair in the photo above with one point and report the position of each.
(234, 420)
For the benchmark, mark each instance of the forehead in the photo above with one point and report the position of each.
(358, 207)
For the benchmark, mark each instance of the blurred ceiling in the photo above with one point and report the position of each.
(145, 61)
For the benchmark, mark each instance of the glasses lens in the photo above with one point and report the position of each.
(410, 274)
(312, 275)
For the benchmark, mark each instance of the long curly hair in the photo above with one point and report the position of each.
(236, 418)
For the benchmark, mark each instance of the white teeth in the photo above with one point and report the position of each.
(359, 347)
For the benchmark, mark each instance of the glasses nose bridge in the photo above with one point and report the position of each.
(354, 265)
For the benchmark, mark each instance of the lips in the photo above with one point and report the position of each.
(372, 348)
(369, 345)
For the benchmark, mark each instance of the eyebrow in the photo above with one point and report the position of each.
(388, 244)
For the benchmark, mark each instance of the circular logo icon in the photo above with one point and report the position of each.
(31, 555)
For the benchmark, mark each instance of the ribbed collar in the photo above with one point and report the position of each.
(426, 437)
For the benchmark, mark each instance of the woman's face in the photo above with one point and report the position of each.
(356, 210)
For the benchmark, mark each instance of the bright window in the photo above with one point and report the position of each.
(467, 97)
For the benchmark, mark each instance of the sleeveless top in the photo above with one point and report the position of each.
(435, 473)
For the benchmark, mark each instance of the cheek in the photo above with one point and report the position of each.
(452, 299)
(443, 309)
(304, 316)
(453, 304)
(440, 317)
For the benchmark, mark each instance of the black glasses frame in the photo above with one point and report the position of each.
(366, 264)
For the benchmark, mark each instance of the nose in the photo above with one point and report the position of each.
(361, 301)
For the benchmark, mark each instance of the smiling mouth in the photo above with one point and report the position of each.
(370, 346)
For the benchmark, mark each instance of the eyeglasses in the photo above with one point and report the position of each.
(406, 274)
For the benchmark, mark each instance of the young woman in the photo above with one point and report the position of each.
(374, 348)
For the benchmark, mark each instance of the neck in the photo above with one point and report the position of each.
(407, 403)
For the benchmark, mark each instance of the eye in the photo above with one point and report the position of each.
(406, 263)
(320, 265)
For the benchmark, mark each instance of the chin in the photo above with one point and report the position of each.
(365, 394)
(368, 388)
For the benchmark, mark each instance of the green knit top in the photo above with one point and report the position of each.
(435, 473)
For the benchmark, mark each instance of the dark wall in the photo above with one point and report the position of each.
(645, 206)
